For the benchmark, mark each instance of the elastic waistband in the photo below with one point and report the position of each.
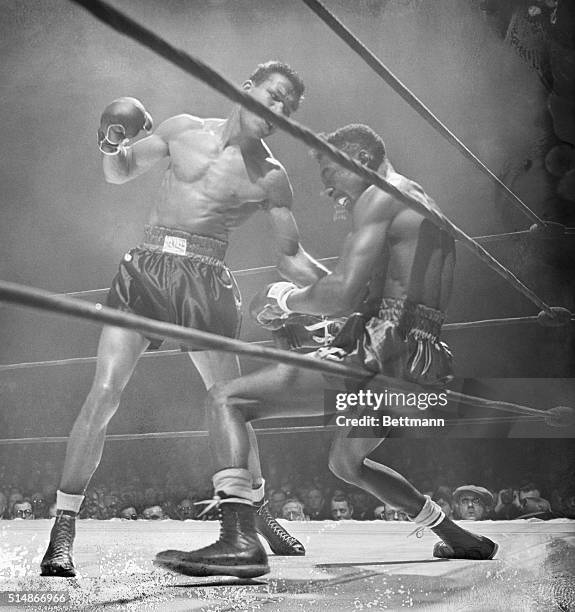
(178, 242)
(412, 317)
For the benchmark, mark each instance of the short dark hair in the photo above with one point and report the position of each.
(355, 137)
(263, 71)
(342, 498)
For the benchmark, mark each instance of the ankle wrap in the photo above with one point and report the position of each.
(430, 515)
(258, 492)
(68, 501)
(233, 482)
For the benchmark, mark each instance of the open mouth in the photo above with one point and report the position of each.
(340, 199)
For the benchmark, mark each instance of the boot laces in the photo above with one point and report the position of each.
(63, 537)
(272, 524)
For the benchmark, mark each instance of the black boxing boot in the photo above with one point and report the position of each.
(279, 540)
(459, 543)
(57, 560)
(238, 551)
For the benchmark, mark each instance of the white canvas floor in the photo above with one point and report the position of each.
(349, 566)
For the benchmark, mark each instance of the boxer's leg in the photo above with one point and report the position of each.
(118, 353)
(271, 392)
(216, 367)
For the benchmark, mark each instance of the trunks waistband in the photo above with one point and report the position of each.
(412, 317)
(178, 242)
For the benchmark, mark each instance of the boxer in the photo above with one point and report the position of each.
(220, 173)
(393, 281)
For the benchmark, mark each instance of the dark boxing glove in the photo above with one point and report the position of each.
(269, 307)
(304, 332)
(124, 118)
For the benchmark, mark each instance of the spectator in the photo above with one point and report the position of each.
(91, 506)
(22, 510)
(277, 499)
(361, 505)
(537, 507)
(443, 498)
(527, 491)
(170, 510)
(186, 510)
(39, 505)
(341, 509)
(315, 507)
(472, 503)
(128, 513)
(52, 509)
(153, 513)
(507, 507)
(293, 510)
(384, 512)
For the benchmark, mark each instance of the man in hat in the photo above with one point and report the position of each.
(472, 503)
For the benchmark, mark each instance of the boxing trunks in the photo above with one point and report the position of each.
(180, 278)
(402, 341)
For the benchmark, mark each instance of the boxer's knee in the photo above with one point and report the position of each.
(100, 405)
(220, 402)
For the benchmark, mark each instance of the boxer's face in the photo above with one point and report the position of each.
(341, 185)
(277, 93)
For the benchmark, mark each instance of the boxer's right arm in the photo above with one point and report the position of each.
(133, 160)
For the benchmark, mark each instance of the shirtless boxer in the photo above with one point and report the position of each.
(220, 173)
(396, 271)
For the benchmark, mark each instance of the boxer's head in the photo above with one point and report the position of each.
(276, 86)
(363, 145)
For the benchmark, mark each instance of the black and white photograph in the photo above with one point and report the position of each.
(287, 305)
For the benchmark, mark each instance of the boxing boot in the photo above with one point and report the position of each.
(280, 541)
(459, 543)
(237, 552)
(57, 560)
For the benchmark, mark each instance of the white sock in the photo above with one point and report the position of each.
(233, 482)
(68, 501)
(258, 492)
(430, 515)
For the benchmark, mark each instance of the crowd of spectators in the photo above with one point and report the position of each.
(307, 492)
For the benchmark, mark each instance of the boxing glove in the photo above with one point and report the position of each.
(121, 120)
(269, 308)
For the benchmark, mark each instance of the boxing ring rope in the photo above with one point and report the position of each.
(201, 433)
(326, 260)
(197, 68)
(387, 75)
(35, 298)
(557, 416)
(5, 367)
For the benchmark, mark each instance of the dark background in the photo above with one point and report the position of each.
(63, 228)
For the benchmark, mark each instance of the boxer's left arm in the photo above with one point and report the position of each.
(340, 292)
(295, 264)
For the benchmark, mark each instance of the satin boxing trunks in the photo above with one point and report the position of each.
(180, 278)
(402, 341)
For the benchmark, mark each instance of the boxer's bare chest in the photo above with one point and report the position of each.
(227, 175)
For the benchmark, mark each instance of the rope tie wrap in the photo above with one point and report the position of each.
(217, 501)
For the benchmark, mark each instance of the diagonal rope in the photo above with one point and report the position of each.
(32, 297)
(197, 68)
(387, 75)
